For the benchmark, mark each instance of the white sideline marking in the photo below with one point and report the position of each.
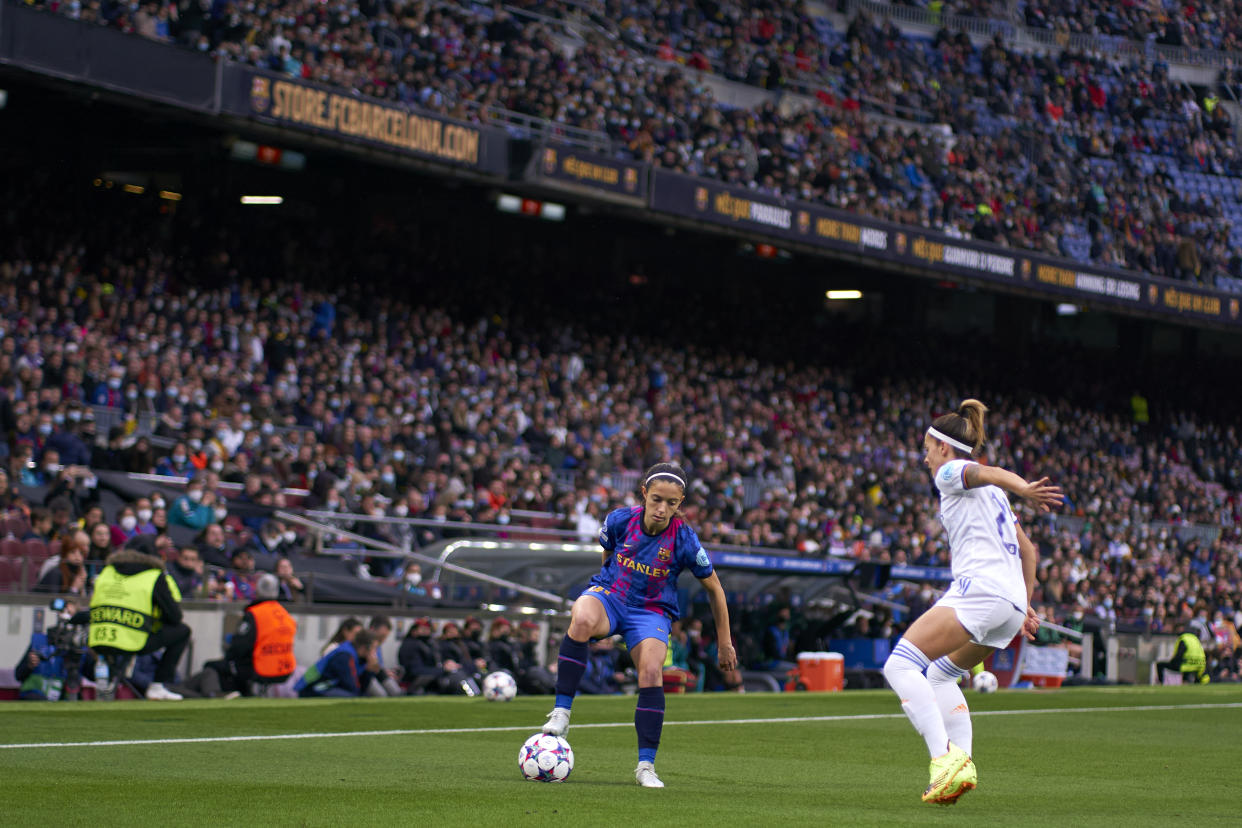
(272, 737)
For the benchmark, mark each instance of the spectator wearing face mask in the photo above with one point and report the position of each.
(176, 464)
(126, 526)
(69, 576)
(271, 537)
(144, 513)
(195, 508)
(412, 579)
(109, 392)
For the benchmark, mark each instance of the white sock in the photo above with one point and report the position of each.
(943, 675)
(904, 671)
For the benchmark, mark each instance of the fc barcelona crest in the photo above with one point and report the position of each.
(665, 554)
(260, 94)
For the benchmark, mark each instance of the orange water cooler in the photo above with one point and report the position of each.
(820, 671)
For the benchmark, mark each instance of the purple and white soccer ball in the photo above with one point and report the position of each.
(984, 682)
(546, 758)
(499, 686)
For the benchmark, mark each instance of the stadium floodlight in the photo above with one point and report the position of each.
(549, 210)
(1067, 309)
(844, 294)
(169, 195)
(136, 189)
(259, 199)
(508, 203)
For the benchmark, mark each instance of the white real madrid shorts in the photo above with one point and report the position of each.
(991, 621)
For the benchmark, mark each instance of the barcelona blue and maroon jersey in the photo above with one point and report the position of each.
(642, 569)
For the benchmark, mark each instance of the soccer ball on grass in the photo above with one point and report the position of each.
(985, 682)
(546, 758)
(499, 686)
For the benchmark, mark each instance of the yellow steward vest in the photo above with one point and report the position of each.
(123, 611)
(1195, 660)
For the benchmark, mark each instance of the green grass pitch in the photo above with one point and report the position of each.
(1091, 756)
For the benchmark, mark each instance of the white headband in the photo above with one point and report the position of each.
(957, 444)
(680, 482)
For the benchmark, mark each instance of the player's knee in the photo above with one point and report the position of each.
(894, 665)
(649, 676)
(583, 623)
(579, 630)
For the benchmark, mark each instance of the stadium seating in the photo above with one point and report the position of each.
(816, 460)
(10, 574)
(1026, 149)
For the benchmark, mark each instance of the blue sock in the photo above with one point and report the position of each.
(570, 665)
(649, 721)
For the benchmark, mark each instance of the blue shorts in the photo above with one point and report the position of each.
(632, 623)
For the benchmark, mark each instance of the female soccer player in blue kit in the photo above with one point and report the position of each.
(635, 594)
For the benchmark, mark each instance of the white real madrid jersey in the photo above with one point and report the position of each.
(983, 536)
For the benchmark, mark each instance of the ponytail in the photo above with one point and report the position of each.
(962, 429)
(972, 411)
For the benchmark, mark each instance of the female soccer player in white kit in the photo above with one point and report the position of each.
(993, 565)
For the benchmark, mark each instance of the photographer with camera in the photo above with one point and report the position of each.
(53, 665)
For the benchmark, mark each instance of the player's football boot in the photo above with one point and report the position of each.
(951, 776)
(645, 775)
(558, 722)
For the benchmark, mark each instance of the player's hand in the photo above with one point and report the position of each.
(726, 656)
(451, 666)
(1030, 626)
(1043, 494)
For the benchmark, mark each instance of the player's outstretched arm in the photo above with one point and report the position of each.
(1030, 566)
(726, 655)
(1041, 492)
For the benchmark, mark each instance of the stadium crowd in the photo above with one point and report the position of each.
(1195, 25)
(1067, 154)
(413, 410)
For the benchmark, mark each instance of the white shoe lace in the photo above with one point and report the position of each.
(558, 723)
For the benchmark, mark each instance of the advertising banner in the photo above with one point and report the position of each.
(312, 108)
(565, 165)
(795, 221)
